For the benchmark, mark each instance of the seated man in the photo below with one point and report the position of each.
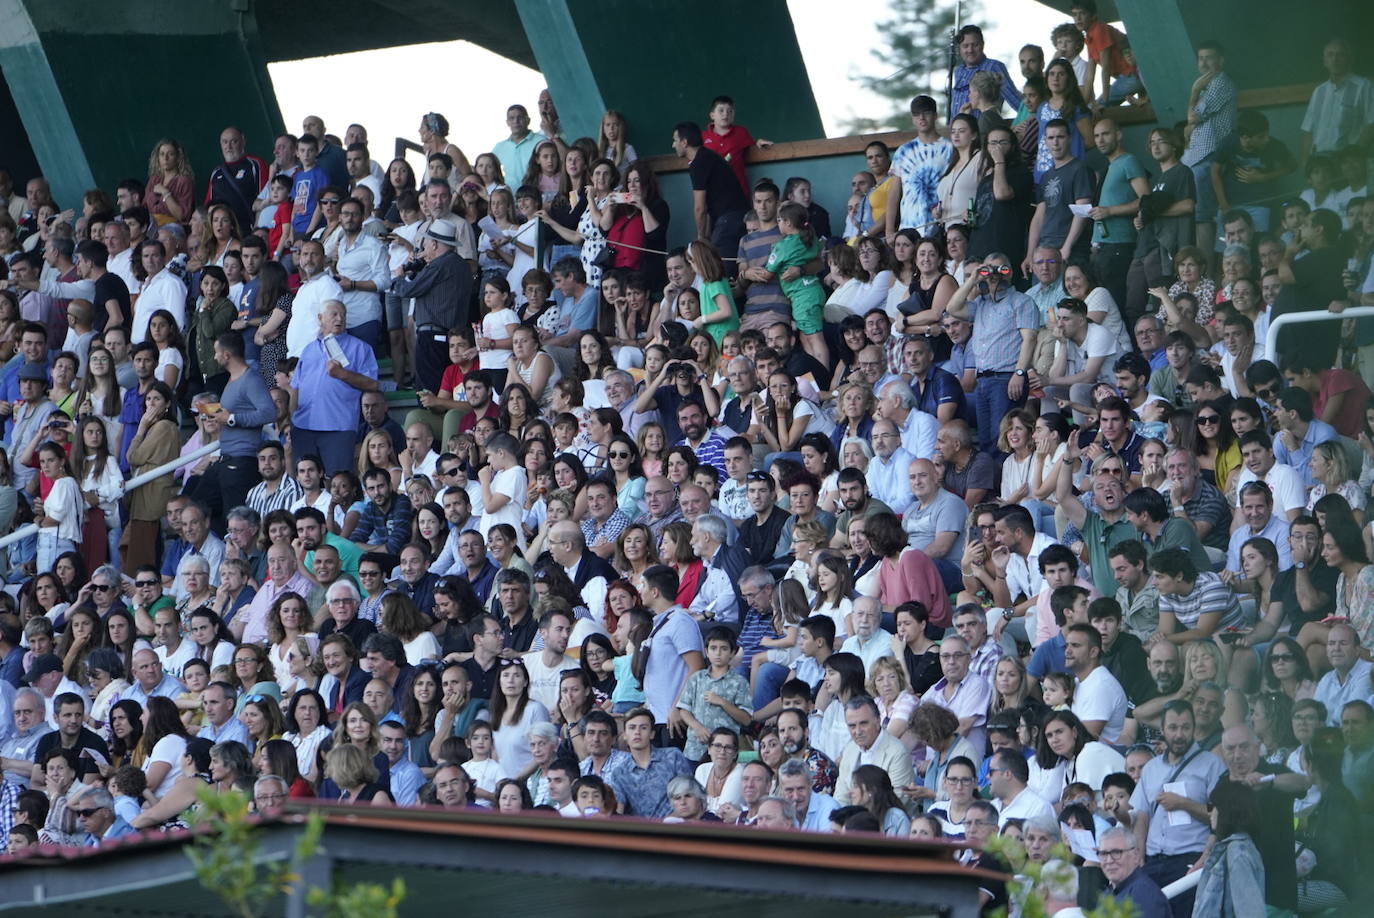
(1257, 509)
(385, 522)
(1300, 430)
(934, 522)
(967, 472)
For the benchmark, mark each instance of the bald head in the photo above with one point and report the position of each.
(924, 479)
(694, 500)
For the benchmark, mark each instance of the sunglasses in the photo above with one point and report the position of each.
(331, 201)
(757, 476)
(1209, 420)
(1282, 657)
(619, 455)
(87, 812)
(145, 583)
(101, 587)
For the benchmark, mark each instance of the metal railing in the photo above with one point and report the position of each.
(1271, 339)
(167, 468)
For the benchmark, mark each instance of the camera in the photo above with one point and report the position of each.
(414, 266)
(678, 366)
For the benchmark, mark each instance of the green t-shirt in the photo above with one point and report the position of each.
(709, 291)
(791, 252)
(1116, 189)
(1100, 537)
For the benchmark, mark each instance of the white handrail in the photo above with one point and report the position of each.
(23, 532)
(1271, 339)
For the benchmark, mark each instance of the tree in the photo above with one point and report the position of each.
(914, 60)
(226, 863)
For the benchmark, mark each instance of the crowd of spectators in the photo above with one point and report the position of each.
(985, 513)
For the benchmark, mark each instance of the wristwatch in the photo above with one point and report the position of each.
(1300, 565)
(1020, 372)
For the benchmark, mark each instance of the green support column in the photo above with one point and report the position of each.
(1162, 44)
(95, 92)
(659, 62)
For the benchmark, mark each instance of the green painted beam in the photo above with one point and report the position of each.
(561, 53)
(1164, 50)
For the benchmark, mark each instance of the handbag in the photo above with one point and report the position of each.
(605, 259)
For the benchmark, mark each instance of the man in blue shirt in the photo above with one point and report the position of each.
(938, 391)
(640, 781)
(334, 370)
(970, 41)
(813, 808)
(406, 777)
(94, 807)
(577, 306)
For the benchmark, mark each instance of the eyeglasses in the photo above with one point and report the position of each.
(954, 655)
(958, 781)
(722, 747)
(1267, 392)
(451, 471)
(243, 660)
(268, 798)
(1112, 854)
(369, 573)
(757, 476)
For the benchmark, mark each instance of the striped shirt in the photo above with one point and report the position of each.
(754, 251)
(287, 493)
(1209, 595)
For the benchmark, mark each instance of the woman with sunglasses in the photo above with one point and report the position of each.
(1286, 670)
(1218, 453)
(627, 472)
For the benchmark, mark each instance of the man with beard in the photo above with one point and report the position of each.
(1173, 844)
(709, 447)
(1103, 527)
(794, 731)
(857, 502)
(1165, 663)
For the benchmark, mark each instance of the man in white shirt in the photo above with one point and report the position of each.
(1098, 701)
(897, 403)
(1284, 481)
(121, 257)
(887, 470)
(317, 288)
(1008, 773)
(546, 666)
(1348, 679)
(361, 265)
(419, 457)
(870, 744)
(1341, 111)
(1084, 355)
(162, 290)
(173, 650)
(868, 642)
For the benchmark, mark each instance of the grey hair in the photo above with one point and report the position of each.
(269, 779)
(28, 690)
(861, 702)
(543, 729)
(343, 583)
(861, 442)
(96, 795)
(1235, 251)
(246, 514)
(1059, 879)
(742, 360)
(1047, 824)
(903, 393)
(713, 526)
(789, 811)
(619, 374)
(108, 571)
(686, 784)
(793, 768)
(1121, 832)
(1192, 459)
(189, 561)
(756, 575)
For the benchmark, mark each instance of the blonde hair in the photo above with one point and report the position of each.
(889, 664)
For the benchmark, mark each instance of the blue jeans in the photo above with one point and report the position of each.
(1206, 208)
(1122, 87)
(771, 678)
(334, 447)
(993, 403)
(368, 332)
(949, 574)
(1043, 515)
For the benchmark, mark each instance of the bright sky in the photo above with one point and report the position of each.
(834, 52)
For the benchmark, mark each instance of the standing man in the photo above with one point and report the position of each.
(236, 181)
(245, 407)
(1118, 202)
(361, 266)
(973, 60)
(334, 369)
(1173, 843)
(675, 650)
(1069, 181)
(1164, 228)
(1340, 113)
(441, 284)
(756, 289)
(317, 288)
(918, 165)
(1005, 322)
(514, 152)
(1121, 861)
(718, 201)
(1211, 118)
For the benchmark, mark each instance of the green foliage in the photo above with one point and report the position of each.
(913, 60)
(226, 863)
(1023, 891)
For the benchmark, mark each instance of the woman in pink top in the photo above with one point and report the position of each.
(905, 574)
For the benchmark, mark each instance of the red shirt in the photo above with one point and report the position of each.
(470, 419)
(452, 380)
(1101, 37)
(1350, 421)
(730, 145)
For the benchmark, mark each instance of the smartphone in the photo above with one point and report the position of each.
(211, 408)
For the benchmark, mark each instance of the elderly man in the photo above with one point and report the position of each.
(269, 793)
(440, 284)
(196, 539)
(283, 576)
(1121, 862)
(94, 807)
(19, 751)
(341, 603)
(934, 521)
(1275, 789)
(1349, 677)
(660, 506)
(918, 430)
(149, 679)
(1103, 527)
(620, 392)
(590, 573)
(419, 457)
(1048, 270)
(710, 534)
(967, 698)
(1196, 500)
(869, 641)
(774, 813)
(1003, 344)
(813, 808)
(870, 744)
(889, 469)
(334, 369)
